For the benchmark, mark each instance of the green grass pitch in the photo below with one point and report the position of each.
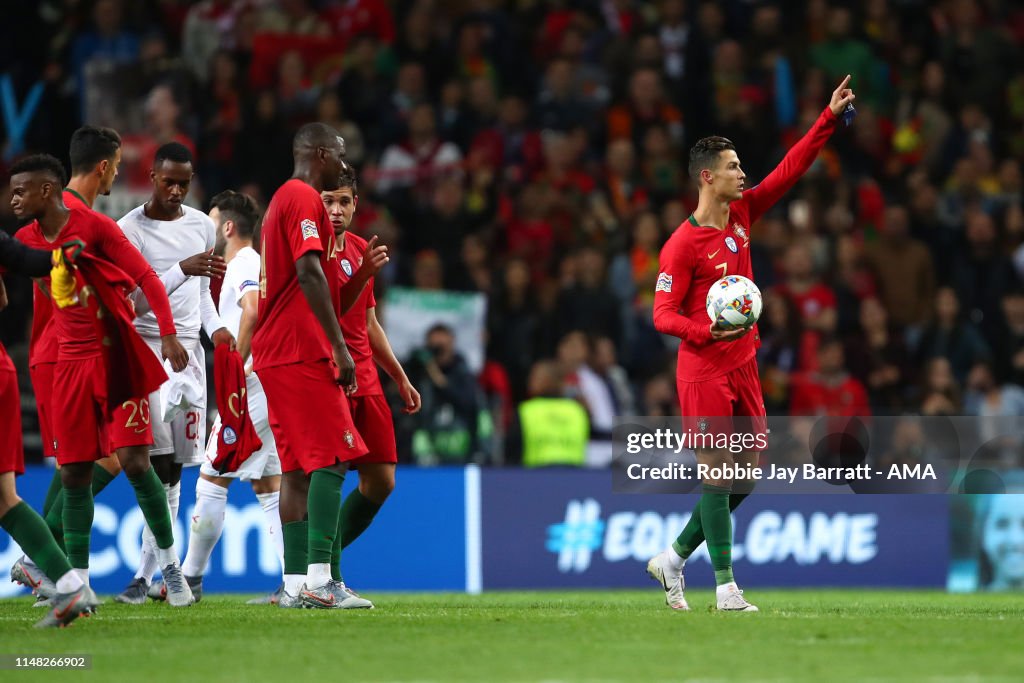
(812, 635)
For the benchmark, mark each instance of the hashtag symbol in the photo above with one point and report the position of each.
(578, 536)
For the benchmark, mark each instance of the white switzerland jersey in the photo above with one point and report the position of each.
(243, 276)
(164, 244)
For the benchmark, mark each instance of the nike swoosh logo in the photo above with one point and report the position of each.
(67, 610)
(714, 253)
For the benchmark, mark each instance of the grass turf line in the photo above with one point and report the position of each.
(543, 636)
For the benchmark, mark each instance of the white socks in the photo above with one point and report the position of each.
(271, 503)
(149, 561)
(318, 575)
(83, 575)
(293, 583)
(726, 588)
(674, 559)
(207, 526)
(70, 582)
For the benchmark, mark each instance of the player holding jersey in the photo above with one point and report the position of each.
(236, 216)
(85, 428)
(717, 375)
(303, 362)
(95, 156)
(366, 340)
(166, 232)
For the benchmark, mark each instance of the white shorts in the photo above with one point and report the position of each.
(262, 463)
(184, 435)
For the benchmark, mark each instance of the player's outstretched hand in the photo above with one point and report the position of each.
(374, 258)
(222, 336)
(841, 97)
(172, 350)
(410, 397)
(720, 335)
(346, 369)
(204, 264)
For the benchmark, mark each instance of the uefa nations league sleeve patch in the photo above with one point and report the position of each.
(664, 283)
(309, 230)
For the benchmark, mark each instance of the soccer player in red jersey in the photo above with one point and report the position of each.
(85, 430)
(717, 370)
(24, 525)
(360, 262)
(95, 156)
(302, 360)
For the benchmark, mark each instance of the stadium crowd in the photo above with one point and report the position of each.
(535, 152)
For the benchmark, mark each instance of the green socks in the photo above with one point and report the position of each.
(693, 533)
(53, 492)
(54, 514)
(296, 536)
(323, 505)
(152, 498)
(356, 514)
(78, 514)
(29, 531)
(714, 517)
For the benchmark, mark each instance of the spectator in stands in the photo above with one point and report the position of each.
(952, 336)
(447, 424)
(421, 160)
(982, 273)
(878, 357)
(940, 392)
(903, 269)
(830, 390)
(583, 384)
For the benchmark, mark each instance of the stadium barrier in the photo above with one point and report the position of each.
(471, 529)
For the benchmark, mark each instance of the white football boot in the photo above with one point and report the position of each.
(661, 570)
(730, 599)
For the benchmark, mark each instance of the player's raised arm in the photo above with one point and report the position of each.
(761, 197)
(374, 258)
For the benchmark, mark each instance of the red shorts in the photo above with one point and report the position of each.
(42, 384)
(713, 405)
(372, 416)
(12, 455)
(309, 417)
(83, 433)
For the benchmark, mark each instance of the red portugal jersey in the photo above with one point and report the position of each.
(287, 331)
(696, 256)
(73, 327)
(353, 322)
(42, 347)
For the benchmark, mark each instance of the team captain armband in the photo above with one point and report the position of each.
(664, 283)
(309, 229)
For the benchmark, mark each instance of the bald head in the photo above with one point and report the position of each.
(318, 151)
(314, 135)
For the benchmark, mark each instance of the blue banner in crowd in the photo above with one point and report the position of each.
(417, 542)
(566, 529)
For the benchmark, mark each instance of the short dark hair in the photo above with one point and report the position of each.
(705, 153)
(348, 178)
(90, 145)
(40, 163)
(240, 208)
(174, 152)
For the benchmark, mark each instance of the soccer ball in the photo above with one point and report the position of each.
(734, 302)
